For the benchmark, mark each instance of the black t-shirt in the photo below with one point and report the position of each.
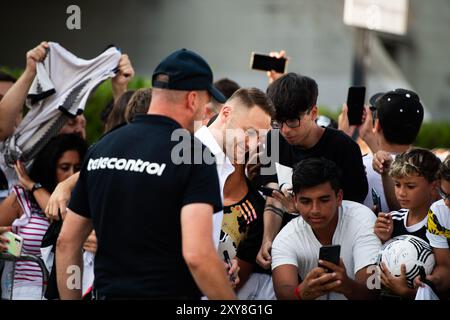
(399, 222)
(133, 190)
(333, 145)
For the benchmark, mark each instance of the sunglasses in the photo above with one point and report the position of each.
(443, 195)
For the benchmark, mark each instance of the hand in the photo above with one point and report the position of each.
(233, 272)
(264, 258)
(344, 124)
(36, 55)
(58, 201)
(340, 276)
(367, 131)
(22, 175)
(91, 243)
(384, 226)
(397, 285)
(272, 75)
(317, 283)
(382, 161)
(124, 75)
(286, 199)
(417, 282)
(3, 240)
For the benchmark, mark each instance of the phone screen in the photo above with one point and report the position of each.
(267, 63)
(355, 103)
(376, 201)
(330, 253)
(14, 246)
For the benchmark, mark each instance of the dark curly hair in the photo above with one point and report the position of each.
(43, 169)
(293, 94)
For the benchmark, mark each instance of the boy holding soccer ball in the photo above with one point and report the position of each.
(415, 179)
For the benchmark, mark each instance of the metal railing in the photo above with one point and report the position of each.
(30, 258)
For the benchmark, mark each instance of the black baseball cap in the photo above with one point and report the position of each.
(186, 70)
(399, 110)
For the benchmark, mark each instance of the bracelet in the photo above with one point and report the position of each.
(274, 210)
(35, 187)
(297, 292)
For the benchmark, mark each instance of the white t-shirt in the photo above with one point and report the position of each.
(374, 180)
(297, 245)
(438, 231)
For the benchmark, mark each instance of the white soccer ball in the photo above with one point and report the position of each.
(409, 250)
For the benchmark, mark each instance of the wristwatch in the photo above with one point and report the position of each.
(36, 186)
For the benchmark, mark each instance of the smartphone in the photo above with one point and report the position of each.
(228, 261)
(266, 191)
(331, 254)
(14, 247)
(355, 102)
(265, 62)
(376, 201)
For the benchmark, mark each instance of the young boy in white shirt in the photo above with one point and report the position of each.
(326, 219)
(439, 232)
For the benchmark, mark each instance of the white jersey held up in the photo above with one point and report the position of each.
(60, 90)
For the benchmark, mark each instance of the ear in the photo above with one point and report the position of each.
(191, 100)
(226, 112)
(436, 184)
(377, 126)
(340, 197)
(314, 113)
(434, 190)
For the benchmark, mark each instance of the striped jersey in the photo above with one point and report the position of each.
(400, 218)
(29, 273)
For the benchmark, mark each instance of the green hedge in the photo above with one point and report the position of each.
(434, 135)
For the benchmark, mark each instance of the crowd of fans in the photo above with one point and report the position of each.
(145, 225)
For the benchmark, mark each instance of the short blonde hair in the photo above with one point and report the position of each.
(416, 161)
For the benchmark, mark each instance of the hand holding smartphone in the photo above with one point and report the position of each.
(14, 246)
(228, 261)
(268, 192)
(265, 62)
(331, 254)
(355, 103)
(376, 201)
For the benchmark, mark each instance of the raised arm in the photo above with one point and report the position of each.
(123, 77)
(69, 259)
(200, 253)
(273, 218)
(60, 197)
(12, 103)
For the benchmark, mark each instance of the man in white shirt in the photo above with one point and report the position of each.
(242, 121)
(326, 219)
(246, 112)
